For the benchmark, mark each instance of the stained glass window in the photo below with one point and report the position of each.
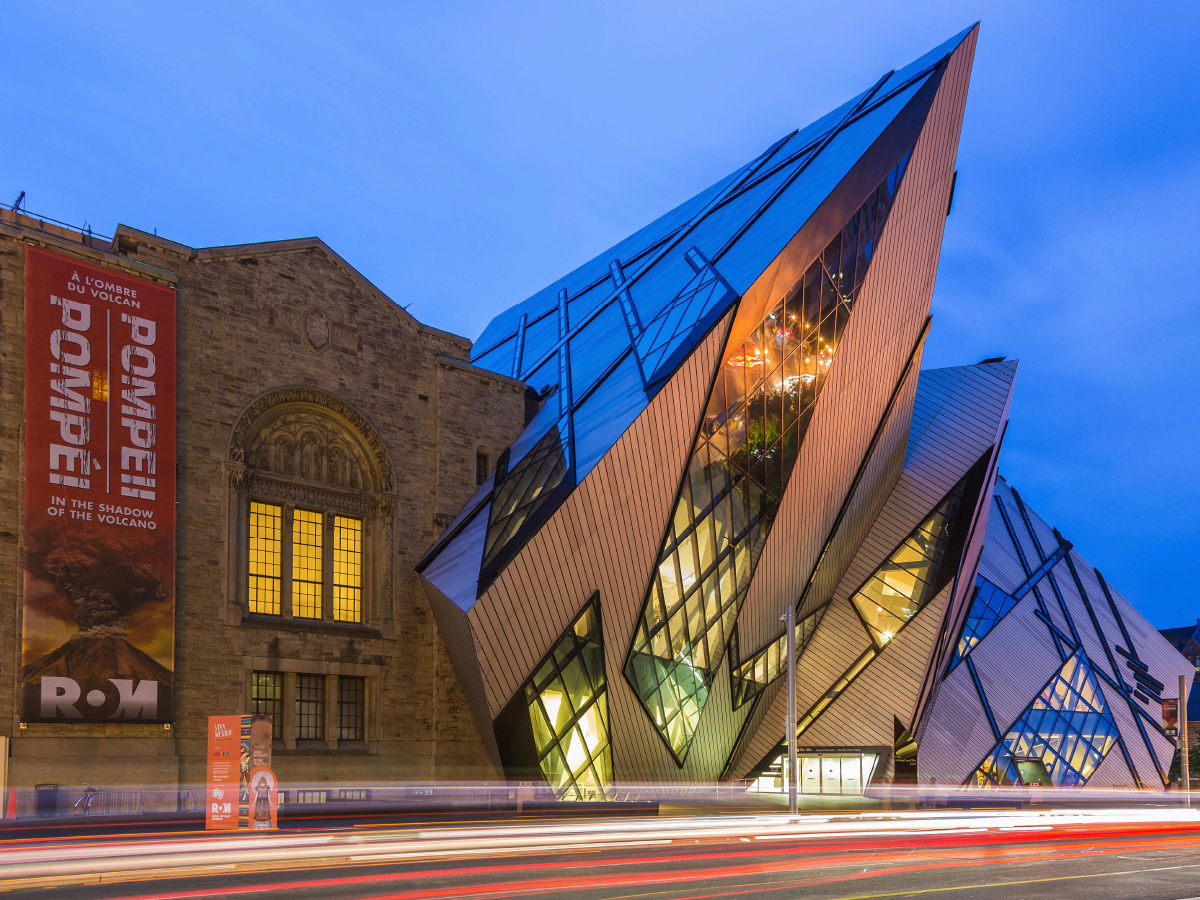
(567, 699)
(347, 569)
(751, 676)
(266, 557)
(905, 582)
(307, 540)
(757, 415)
(988, 607)
(1067, 728)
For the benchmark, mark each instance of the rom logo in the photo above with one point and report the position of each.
(61, 699)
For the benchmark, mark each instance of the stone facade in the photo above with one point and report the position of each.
(282, 335)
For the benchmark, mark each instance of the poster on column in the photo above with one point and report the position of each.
(98, 625)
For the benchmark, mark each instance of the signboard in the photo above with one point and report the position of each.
(98, 627)
(242, 789)
(1170, 717)
(224, 772)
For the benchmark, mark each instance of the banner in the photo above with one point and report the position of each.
(98, 630)
(242, 790)
(224, 772)
(1170, 717)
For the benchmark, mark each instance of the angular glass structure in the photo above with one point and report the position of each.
(567, 699)
(1067, 728)
(905, 582)
(751, 676)
(988, 607)
(758, 412)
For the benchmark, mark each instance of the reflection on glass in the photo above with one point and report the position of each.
(757, 415)
(904, 583)
(524, 488)
(1068, 728)
(751, 676)
(306, 563)
(667, 334)
(266, 557)
(568, 708)
(988, 607)
(347, 569)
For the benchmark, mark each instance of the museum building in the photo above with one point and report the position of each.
(247, 481)
(734, 420)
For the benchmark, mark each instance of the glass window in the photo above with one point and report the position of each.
(756, 419)
(266, 699)
(989, 605)
(307, 535)
(310, 707)
(481, 465)
(904, 583)
(347, 569)
(1062, 736)
(568, 709)
(352, 709)
(266, 557)
(763, 667)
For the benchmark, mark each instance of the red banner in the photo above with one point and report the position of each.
(98, 638)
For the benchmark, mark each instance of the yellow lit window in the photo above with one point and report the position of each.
(307, 533)
(266, 554)
(347, 569)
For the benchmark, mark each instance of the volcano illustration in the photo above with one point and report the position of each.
(91, 658)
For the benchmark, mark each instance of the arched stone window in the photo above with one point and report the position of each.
(312, 508)
(481, 465)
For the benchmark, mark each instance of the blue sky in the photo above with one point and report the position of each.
(464, 155)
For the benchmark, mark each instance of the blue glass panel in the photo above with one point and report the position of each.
(540, 337)
(988, 607)
(1067, 728)
(499, 359)
(545, 419)
(596, 347)
(605, 415)
(676, 329)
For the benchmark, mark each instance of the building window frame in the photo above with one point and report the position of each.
(305, 453)
(310, 707)
(266, 698)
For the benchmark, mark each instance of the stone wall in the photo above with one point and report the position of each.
(254, 319)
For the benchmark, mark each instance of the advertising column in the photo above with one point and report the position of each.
(98, 636)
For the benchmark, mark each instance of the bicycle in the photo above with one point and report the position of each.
(83, 806)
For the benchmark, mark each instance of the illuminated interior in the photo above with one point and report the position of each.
(904, 583)
(568, 708)
(307, 537)
(754, 674)
(347, 569)
(758, 412)
(266, 557)
(1068, 728)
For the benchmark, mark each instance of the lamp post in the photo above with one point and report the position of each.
(790, 733)
(1184, 768)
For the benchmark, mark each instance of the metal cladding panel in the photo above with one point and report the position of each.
(955, 733)
(1014, 662)
(1149, 771)
(886, 688)
(1004, 500)
(960, 414)
(460, 645)
(999, 563)
(879, 480)
(838, 641)
(888, 318)
(1113, 772)
(455, 569)
(603, 537)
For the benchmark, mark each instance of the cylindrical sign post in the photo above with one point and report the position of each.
(790, 619)
(1184, 767)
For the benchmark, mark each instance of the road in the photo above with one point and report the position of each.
(1149, 854)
